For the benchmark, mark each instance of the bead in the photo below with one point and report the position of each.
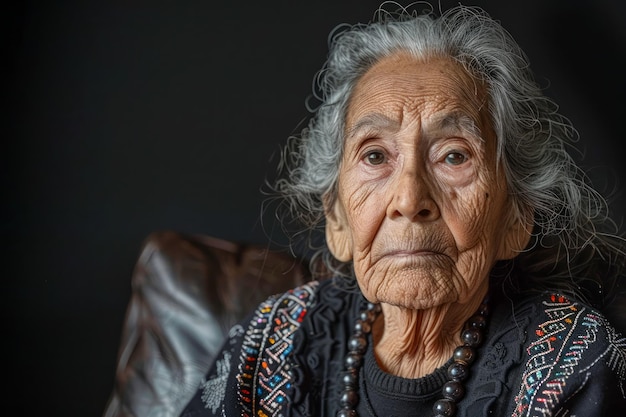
(353, 361)
(444, 407)
(349, 398)
(368, 316)
(346, 412)
(465, 354)
(357, 344)
(483, 310)
(472, 337)
(362, 327)
(458, 371)
(477, 322)
(453, 390)
(350, 379)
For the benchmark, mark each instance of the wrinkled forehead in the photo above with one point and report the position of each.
(437, 90)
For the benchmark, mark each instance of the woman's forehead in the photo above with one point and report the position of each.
(438, 91)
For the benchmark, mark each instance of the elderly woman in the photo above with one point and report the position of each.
(438, 171)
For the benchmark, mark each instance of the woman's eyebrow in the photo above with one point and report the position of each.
(372, 120)
(458, 122)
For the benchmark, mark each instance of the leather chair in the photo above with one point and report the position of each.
(187, 292)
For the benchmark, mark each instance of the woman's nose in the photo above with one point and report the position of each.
(411, 198)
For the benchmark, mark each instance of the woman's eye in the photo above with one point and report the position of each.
(455, 158)
(375, 158)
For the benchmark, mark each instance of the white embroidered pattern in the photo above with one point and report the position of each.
(617, 358)
(214, 390)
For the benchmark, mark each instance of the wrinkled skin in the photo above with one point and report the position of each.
(422, 208)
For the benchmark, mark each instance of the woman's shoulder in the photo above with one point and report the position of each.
(303, 298)
(553, 313)
(567, 345)
(256, 347)
(263, 347)
(562, 325)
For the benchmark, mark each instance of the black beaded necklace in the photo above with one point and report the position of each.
(458, 371)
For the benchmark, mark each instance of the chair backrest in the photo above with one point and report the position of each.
(187, 291)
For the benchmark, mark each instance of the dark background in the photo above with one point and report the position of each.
(129, 117)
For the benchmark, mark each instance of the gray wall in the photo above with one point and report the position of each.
(127, 118)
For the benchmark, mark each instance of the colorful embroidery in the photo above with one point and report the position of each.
(264, 375)
(560, 345)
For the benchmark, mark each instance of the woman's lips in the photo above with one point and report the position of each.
(411, 253)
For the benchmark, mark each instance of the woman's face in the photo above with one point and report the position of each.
(422, 207)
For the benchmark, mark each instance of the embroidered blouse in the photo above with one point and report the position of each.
(543, 355)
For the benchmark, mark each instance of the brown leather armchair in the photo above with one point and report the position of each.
(187, 291)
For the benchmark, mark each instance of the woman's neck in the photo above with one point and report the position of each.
(413, 343)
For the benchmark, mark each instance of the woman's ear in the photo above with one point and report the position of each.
(517, 234)
(338, 236)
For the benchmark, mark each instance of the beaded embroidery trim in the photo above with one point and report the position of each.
(557, 350)
(264, 375)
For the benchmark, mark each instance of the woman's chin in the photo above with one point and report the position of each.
(412, 297)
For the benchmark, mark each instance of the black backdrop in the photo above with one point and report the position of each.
(130, 117)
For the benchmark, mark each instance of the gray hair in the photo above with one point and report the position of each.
(533, 138)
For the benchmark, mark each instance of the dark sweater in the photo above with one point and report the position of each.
(543, 355)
